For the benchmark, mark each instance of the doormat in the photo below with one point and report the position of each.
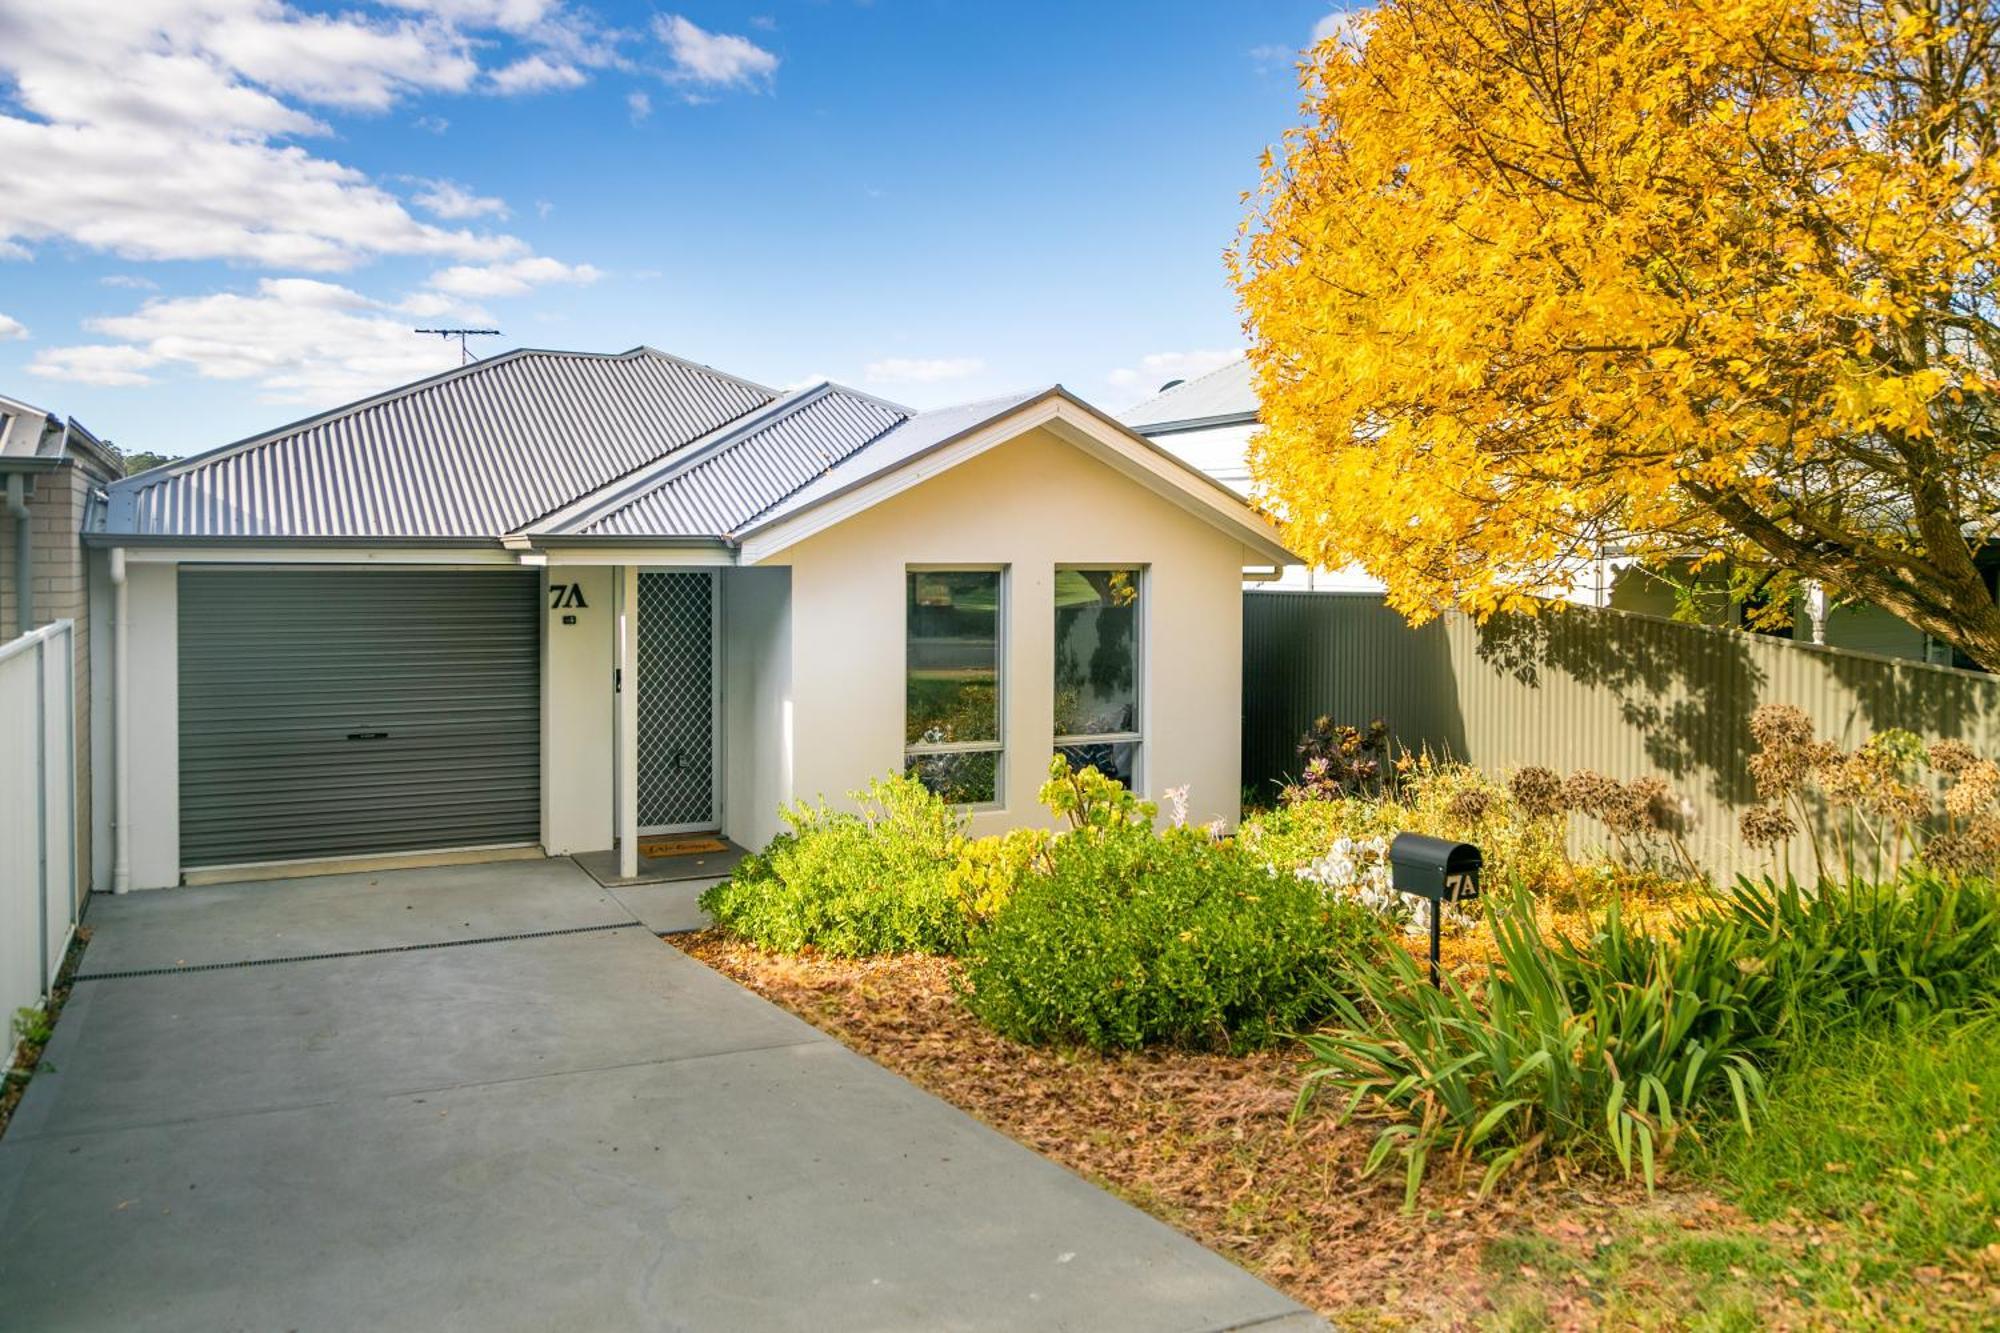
(691, 846)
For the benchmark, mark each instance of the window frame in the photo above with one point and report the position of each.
(997, 747)
(1142, 579)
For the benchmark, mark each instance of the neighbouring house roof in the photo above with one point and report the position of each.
(471, 454)
(35, 440)
(1225, 396)
(555, 448)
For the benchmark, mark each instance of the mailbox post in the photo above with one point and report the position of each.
(1437, 870)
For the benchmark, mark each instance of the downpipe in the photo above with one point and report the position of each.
(24, 548)
(121, 724)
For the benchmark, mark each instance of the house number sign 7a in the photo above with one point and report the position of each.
(565, 597)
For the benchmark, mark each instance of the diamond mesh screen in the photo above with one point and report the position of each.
(676, 700)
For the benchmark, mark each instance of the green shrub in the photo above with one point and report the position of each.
(1602, 1049)
(879, 881)
(1893, 1127)
(1916, 944)
(1127, 938)
(989, 868)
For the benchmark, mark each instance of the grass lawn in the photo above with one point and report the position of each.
(1204, 1143)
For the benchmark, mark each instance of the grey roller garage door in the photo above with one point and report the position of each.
(346, 712)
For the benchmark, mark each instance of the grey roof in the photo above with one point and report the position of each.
(1224, 396)
(471, 454)
(727, 482)
(921, 432)
(556, 447)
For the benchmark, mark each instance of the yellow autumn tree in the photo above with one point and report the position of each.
(1695, 281)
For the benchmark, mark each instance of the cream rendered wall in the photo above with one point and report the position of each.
(1030, 505)
(153, 663)
(577, 712)
(756, 702)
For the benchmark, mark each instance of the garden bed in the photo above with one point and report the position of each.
(1203, 1141)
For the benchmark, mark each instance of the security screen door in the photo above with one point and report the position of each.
(677, 701)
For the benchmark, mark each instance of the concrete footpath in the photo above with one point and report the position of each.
(486, 1097)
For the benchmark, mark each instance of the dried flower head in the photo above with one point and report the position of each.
(1787, 749)
(1977, 788)
(1952, 757)
(1766, 826)
(1538, 792)
(1976, 847)
(1591, 792)
(1470, 805)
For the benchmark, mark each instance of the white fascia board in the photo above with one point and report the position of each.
(688, 557)
(1075, 424)
(319, 555)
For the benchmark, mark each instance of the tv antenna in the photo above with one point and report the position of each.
(464, 352)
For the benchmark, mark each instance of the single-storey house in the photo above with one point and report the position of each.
(556, 600)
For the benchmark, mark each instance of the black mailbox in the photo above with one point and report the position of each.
(1435, 869)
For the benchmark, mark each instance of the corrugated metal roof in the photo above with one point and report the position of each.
(924, 430)
(473, 453)
(1227, 393)
(731, 482)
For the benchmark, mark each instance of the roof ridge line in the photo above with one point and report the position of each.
(174, 468)
(614, 495)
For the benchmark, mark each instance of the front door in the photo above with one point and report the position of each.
(677, 701)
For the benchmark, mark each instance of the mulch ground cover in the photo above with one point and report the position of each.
(1204, 1142)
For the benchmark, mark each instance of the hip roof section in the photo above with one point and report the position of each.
(475, 453)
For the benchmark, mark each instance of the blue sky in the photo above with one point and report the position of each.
(220, 215)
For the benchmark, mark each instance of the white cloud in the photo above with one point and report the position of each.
(1272, 55)
(299, 339)
(109, 365)
(922, 370)
(1156, 369)
(165, 129)
(638, 106)
(432, 124)
(535, 74)
(449, 199)
(1342, 23)
(509, 279)
(713, 59)
(129, 281)
(11, 329)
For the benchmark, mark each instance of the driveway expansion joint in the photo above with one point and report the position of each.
(349, 953)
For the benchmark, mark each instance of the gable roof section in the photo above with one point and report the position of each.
(719, 484)
(934, 442)
(472, 454)
(1225, 396)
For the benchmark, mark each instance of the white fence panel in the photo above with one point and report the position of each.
(39, 901)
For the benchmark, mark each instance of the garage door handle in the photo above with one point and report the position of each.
(368, 735)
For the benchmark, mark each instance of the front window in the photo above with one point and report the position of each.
(952, 717)
(1097, 671)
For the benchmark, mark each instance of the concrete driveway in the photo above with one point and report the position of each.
(484, 1097)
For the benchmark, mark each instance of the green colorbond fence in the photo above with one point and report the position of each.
(1624, 694)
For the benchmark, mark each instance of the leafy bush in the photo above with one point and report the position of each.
(1446, 800)
(1599, 1050)
(879, 881)
(989, 868)
(1128, 938)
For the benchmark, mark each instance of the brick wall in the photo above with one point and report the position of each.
(61, 592)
